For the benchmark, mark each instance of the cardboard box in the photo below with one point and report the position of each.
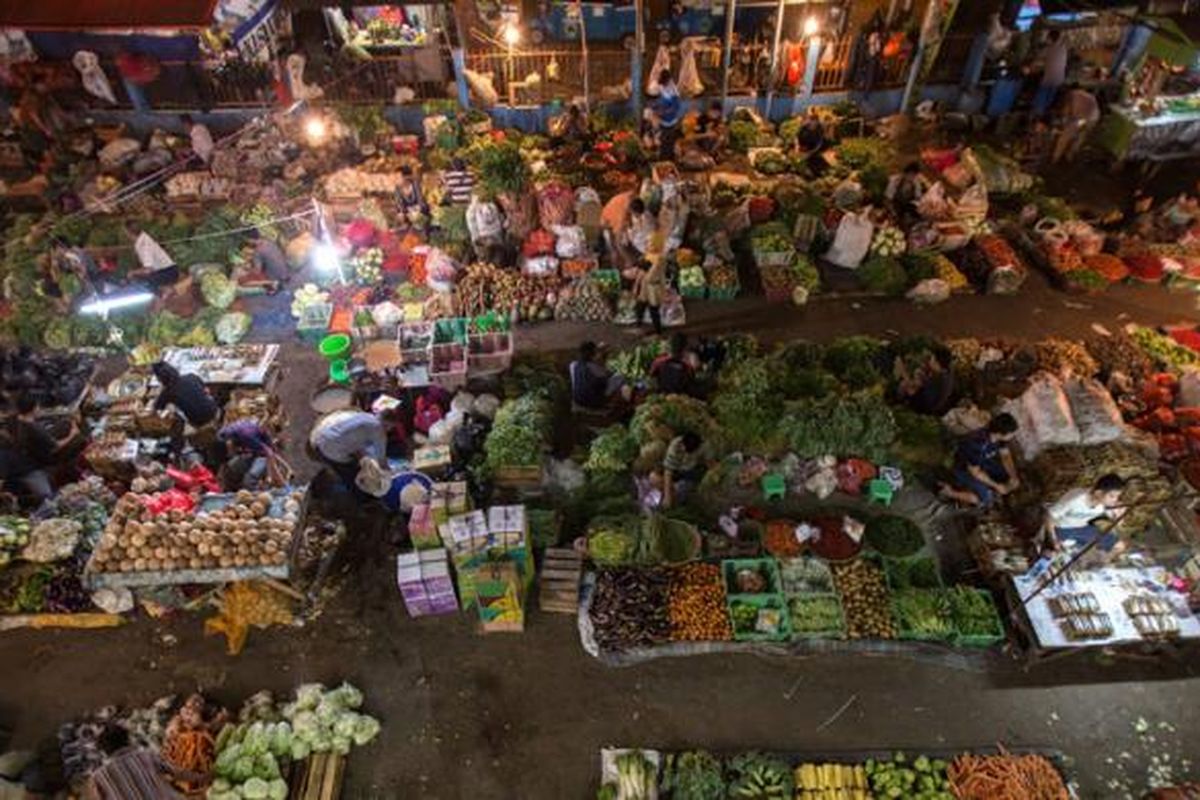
(422, 528)
(431, 457)
(425, 583)
(453, 495)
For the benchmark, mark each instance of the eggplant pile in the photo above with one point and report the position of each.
(630, 608)
(52, 379)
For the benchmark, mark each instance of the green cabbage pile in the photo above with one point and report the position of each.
(232, 327)
(217, 289)
(249, 754)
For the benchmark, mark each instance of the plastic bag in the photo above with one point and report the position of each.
(965, 418)
(662, 60)
(485, 406)
(1044, 416)
(929, 291)
(823, 482)
(973, 205)
(690, 84)
(1096, 414)
(851, 241)
(482, 86)
(570, 241)
(484, 220)
(117, 152)
(932, 204)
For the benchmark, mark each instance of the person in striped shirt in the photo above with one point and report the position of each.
(459, 182)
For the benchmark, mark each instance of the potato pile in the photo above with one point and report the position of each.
(242, 534)
(865, 599)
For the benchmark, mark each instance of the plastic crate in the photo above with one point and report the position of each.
(314, 322)
(979, 639)
(608, 279)
(448, 365)
(489, 352)
(761, 601)
(693, 292)
(723, 293)
(817, 565)
(777, 259)
(767, 566)
(451, 330)
(416, 342)
(838, 632)
(915, 636)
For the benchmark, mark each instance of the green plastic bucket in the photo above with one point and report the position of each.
(339, 371)
(335, 346)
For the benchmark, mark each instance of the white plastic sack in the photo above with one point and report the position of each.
(823, 482)
(662, 60)
(484, 221)
(540, 266)
(482, 86)
(1189, 388)
(150, 253)
(1048, 421)
(295, 73)
(965, 418)
(462, 402)
(929, 292)
(1096, 414)
(430, 125)
(852, 240)
(973, 205)
(118, 151)
(569, 241)
(690, 84)
(94, 79)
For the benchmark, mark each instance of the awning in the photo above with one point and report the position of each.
(92, 15)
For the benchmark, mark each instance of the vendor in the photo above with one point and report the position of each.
(71, 259)
(710, 129)
(683, 466)
(27, 451)
(343, 439)
(904, 192)
(594, 387)
(1079, 114)
(674, 372)
(267, 257)
(812, 143)
(573, 126)
(410, 204)
(187, 393)
(928, 388)
(617, 219)
(1069, 523)
(649, 290)
(984, 468)
(668, 112)
(249, 451)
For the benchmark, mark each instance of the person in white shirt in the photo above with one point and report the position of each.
(1069, 523)
(202, 140)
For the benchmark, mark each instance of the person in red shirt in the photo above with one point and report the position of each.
(675, 371)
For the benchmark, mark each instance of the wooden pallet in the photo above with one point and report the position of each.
(318, 778)
(558, 590)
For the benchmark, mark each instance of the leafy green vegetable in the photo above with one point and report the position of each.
(973, 612)
(923, 612)
(757, 776)
(500, 167)
(894, 536)
(693, 775)
(858, 425)
(612, 450)
(883, 275)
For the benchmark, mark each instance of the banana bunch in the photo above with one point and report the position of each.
(831, 782)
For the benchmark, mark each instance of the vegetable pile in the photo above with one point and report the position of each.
(1005, 777)
(816, 614)
(693, 775)
(973, 612)
(923, 779)
(697, 604)
(923, 614)
(865, 600)
(630, 608)
(894, 536)
(757, 776)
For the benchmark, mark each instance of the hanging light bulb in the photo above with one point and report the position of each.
(511, 34)
(811, 26)
(315, 130)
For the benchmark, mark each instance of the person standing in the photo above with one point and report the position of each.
(669, 110)
(1054, 73)
(649, 288)
(202, 139)
(1080, 114)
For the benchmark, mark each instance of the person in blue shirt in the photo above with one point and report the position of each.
(669, 110)
(984, 469)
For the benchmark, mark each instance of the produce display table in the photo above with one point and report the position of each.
(1131, 137)
(235, 365)
(1111, 586)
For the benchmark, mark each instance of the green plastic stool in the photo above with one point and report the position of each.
(880, 491)
(773, 486)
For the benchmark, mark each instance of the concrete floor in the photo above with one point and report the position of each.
(521, 717)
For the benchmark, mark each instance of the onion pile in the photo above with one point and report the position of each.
(242, 534)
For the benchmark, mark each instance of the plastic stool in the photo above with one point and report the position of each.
(773, 486)
(880, 491)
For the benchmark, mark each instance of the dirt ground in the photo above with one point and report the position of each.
(522, 717)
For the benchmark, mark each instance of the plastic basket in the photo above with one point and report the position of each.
(838, 632)
(761, 601)
(314, 323)
(723, 293)
(693, 292)
(779, 259)
(415, 340)
(448, 365)
(914, 636)
(980, 639)
(607, 279)
(452, 330)
(489, 352)
(767, 566)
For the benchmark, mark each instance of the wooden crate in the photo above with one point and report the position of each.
(319, 777)
(558, 589)
(519, 477)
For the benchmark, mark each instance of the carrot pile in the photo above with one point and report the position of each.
(193, 751)
(1005, 777)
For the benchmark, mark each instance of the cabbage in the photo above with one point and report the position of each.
(278, 789)
(231, 794)
(329, 710)
(220, 785)
(309, 695)
(256, 789)
(306, 725)
(365, 729)
(216, 289)
(232, 327)
(300, 749)
(341, 745)
(266, 767)
(281, 739)
(243, 769)
(321, 743)
(346, 695)
(345, 724)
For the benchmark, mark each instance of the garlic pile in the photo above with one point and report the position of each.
(241, 534)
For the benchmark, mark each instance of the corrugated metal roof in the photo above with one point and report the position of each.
(87, 15)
